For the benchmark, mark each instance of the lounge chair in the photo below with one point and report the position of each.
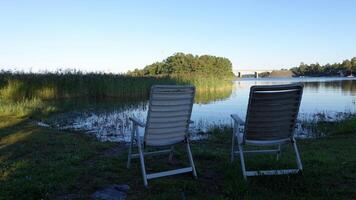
(168, 120)
(270, 121)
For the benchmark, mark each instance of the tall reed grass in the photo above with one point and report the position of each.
(26, 93)
(49, 86)
(26, 107)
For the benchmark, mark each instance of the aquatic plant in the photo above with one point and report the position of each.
(24, 93)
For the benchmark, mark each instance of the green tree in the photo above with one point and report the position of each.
(188, 64)
(346, 67)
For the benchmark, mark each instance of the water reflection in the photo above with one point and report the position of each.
(347, 87)
(207, 95)
(109, 120)
(213, 106)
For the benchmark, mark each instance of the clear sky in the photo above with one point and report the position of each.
(121, 35)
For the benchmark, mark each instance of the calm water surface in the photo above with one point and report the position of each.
(329, 96)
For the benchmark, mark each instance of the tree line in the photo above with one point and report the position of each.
(188, 64)
(345, 68)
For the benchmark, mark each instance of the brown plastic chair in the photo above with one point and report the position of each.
(270, 121)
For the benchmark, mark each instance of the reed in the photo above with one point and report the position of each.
(26, 107)
(73, 85)
(27, 93)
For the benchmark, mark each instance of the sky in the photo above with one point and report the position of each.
(116, 36)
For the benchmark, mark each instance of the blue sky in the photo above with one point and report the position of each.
(121, 35)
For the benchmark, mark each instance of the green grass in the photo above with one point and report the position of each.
(28, 94)
(39, 163)
(26, 107)
(72, 84)
(348, 126)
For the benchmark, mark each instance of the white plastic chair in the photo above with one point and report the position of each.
(168, 120)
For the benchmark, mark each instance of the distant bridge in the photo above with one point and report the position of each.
(240, 72)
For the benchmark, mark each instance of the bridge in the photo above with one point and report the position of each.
(240, 72)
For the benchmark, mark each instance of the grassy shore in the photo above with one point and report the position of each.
(72, 84)
(27, 94)
(40, 163)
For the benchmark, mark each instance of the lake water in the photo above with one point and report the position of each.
(323, 99)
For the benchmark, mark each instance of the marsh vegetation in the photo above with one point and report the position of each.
(24, 94)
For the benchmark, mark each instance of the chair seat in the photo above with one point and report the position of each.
(160, 145)
(268, 142)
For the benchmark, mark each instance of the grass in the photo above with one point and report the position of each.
(334, 128)
(26, 107)
(26, 94)
(40, 163)
(73, 84)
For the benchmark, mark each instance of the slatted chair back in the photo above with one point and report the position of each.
(169, 113)
(272, 112)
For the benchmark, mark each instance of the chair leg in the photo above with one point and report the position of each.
(142, 159)
(242, 160)
(233, 143)
(143, 168)
(190, 156)
(130, 148)
(279, 152)
(299, 161)
(170, 158)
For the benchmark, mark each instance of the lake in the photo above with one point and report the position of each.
(323, 99)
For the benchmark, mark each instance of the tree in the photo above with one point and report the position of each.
(346, 67)
(188, 64)
(353, 63)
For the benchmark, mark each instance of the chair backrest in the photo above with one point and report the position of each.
(272, 111)
(169, 112)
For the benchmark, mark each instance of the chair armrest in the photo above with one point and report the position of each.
(238, 130)
(136, 121)
(238, 120)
